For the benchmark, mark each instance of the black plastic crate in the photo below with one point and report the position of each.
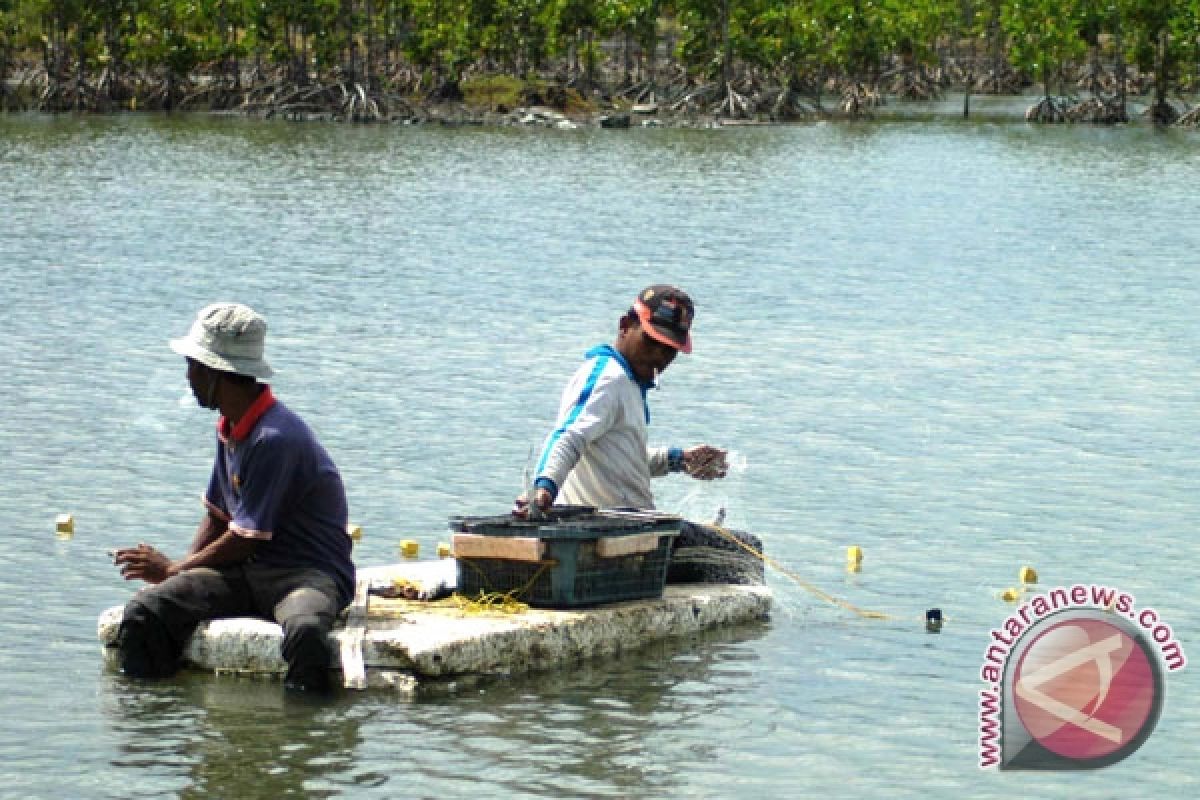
(571, 573)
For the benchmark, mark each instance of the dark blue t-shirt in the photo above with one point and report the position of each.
(274, 482)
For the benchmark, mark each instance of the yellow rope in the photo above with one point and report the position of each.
(507, 602)
(815, 590)
(499, 602)
(503, 602)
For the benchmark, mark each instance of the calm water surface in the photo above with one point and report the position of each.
(964, 348)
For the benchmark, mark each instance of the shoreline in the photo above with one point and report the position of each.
(501, 101)
(943, 107)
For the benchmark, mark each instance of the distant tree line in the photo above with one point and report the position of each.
(733, 57)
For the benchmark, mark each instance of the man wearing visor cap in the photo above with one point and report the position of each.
(598, 454)
(272, 543)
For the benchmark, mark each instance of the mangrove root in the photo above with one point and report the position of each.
(1191, 119)
(858, 99)
(1046, 110)
(1095, 110)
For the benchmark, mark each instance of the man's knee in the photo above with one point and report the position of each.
(307, 613)
(308, 651)
(307, 636)
(144, 648)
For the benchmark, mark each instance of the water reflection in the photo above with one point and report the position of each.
(605, 727)
(227, 737)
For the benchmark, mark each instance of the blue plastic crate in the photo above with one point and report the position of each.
(571, 573)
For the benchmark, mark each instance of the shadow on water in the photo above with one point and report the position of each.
(226, 736)
(605, 726)
(1119, 154)
(593, 728)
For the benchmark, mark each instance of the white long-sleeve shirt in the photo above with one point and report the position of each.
(598, 455)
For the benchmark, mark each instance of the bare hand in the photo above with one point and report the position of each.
(143, 563)
(705, 462)
(521, 504)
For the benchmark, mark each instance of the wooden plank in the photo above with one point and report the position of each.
(611, 546)
(354, 672)
(511, 548)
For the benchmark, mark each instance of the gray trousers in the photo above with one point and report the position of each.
(159, 619)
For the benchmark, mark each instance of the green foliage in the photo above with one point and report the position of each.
(518, 34)
(915, 27)
(1149, 24)
(1184, 28)
(787, 34)
(164, 36)
(1044, 34)
(793, 39)
(492, 91)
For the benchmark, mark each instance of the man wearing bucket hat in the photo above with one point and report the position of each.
(273, 542)
(598, 453)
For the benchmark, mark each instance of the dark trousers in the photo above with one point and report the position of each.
(159, 619)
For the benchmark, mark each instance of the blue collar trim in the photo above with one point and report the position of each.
(612, 352)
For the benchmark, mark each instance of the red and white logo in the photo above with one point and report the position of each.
(1084, 689)
(1073, 679)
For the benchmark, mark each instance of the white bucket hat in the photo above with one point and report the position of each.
(227, 337)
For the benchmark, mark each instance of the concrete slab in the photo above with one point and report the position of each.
(409, 641)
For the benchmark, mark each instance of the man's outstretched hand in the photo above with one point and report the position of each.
(705, 462)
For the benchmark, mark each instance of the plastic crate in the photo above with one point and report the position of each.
(573, 570)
